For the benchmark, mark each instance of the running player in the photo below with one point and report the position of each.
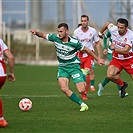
(87, 36)
(107, 51)
(122, 42)
(66, 49)
(4, 51)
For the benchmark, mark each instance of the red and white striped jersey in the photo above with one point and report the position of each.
(120, 41)
(87, 38)
(3, 47)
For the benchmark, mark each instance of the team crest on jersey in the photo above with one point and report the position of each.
(125, 39)
(111, 25)
(90, 34)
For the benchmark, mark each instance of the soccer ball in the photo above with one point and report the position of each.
(25, 104)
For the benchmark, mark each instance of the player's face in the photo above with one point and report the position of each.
(62, 32)
(84, 22)
(121, 28)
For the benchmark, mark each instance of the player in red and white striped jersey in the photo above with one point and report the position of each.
(122, 42)
(87, 36)
(4, 51)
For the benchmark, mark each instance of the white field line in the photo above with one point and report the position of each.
(12, 96)
(48, 96)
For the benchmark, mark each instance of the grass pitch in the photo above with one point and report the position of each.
(52, 111)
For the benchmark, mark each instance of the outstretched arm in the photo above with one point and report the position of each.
(38, 33)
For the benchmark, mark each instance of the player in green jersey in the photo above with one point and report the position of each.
(66, 49)
(107, 51)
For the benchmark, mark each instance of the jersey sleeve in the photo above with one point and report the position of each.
(111, 27)
(3, 46)
(51, 37)
(79, 46)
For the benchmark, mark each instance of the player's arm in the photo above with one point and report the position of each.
(38, 33)
(11, 62)
(88, 51)
(105, 27)
(124, 50)
(98, 49)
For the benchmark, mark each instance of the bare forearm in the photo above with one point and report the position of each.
(121, 51)
(88, 51)
(98, 50)
(40, 34)
(11, 63)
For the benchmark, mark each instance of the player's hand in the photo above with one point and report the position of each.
(33, 32)
(100, 35)
(105, 51)
(11, 77)
(100, 61)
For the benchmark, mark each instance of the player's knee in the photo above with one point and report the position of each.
(109, 76)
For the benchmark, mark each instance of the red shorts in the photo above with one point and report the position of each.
(86, 62)
(127, 65)
(2, 81)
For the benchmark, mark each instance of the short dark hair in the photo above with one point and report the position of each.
(63, 25)
(123, 21)
(83, 16)
(79, 25)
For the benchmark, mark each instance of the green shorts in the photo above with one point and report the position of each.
(72, 71)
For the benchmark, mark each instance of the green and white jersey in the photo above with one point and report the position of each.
(66, 51)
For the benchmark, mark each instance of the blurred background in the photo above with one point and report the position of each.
(17, 17)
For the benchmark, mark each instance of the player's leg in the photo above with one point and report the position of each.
(119, 89)
(63, 83)
(63, 80)
(79, 79)
(81, 87)
(87, 66)
(86, 72)
(92, 79)
(3, 122)
(106, 80)
(113, 71)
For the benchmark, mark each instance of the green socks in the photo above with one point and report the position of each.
(106, 80)
(92, 82)
(75, 99)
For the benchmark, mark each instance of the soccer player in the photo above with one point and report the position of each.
(88, 37)
(66, 49)
(107, 51)
(122, 42)
(4, 51)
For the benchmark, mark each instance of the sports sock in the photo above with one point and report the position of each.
(92, 82)
(75, 99)
(119, 82)
(1, 111)
(87, 83)
(106, 80)
(118, 87)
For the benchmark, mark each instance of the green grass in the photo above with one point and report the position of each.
(52, 111)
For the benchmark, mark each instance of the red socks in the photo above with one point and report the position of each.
(1, 111)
